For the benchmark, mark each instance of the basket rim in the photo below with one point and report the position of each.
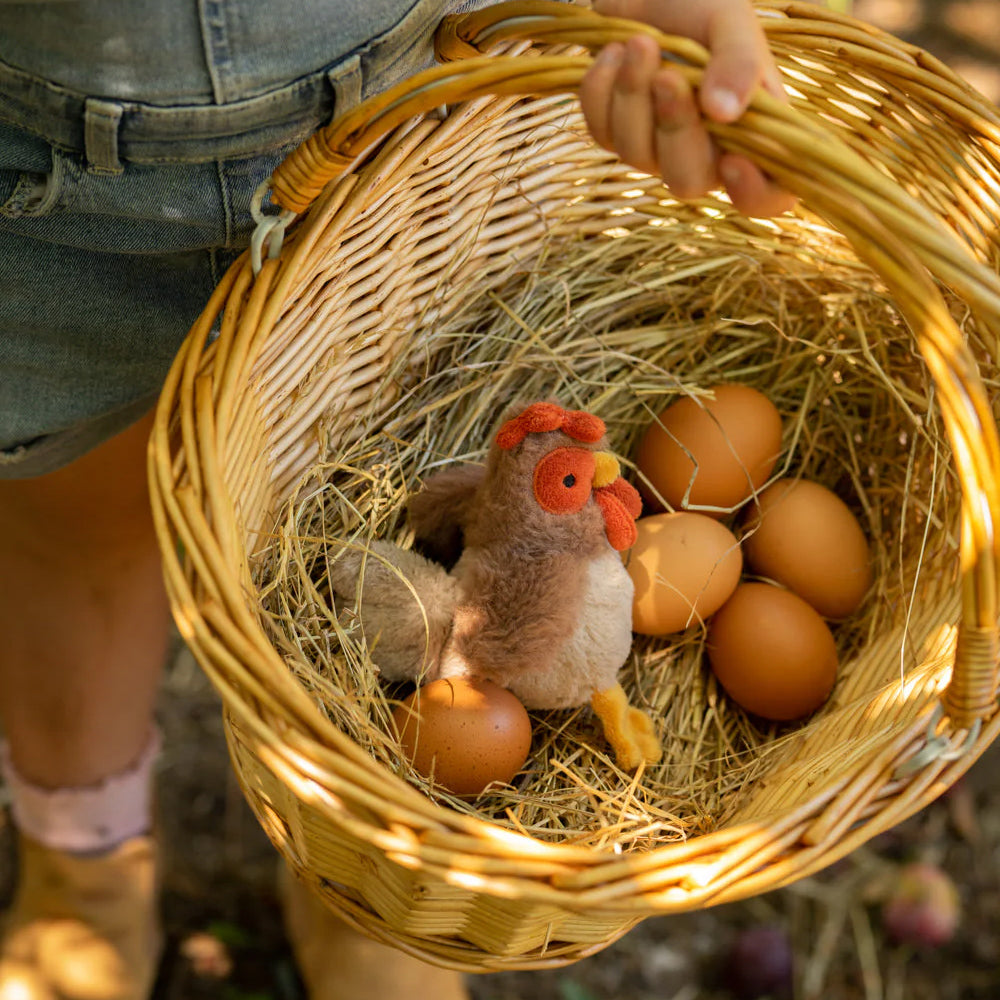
(193, 508)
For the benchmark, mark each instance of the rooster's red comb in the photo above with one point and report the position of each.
(541, 417)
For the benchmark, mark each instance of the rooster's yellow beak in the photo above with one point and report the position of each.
(606, 469)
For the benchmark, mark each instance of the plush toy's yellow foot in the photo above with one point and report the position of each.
(629, 730)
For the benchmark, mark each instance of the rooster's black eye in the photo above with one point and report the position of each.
(569, 481)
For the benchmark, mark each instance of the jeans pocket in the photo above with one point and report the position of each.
(32, 175)
(25, 195)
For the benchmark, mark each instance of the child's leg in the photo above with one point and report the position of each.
(85, 624)
(339, 963)
(84, 616)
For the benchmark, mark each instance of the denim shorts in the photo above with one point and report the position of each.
(122, 202)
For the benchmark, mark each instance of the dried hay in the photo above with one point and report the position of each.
(621, 323)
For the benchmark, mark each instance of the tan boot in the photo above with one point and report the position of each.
(338, 963)
(82, 927)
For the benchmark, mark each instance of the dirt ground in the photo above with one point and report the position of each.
(225, 935)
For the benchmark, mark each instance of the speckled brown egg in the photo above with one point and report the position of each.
(772, 653)
(804, 536)
(464, 733)
(683, 567)
(711, 453)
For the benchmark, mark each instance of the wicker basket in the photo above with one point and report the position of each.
(416, 203)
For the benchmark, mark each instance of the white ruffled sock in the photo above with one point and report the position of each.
(88, 820)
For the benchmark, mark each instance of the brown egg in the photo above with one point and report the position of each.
(804, 536)
(465, 733)
(771, 652)
(683, 567)
(712, 453)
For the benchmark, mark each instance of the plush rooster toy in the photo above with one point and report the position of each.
(538, 601)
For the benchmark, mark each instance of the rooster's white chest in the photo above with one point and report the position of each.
(590, 658)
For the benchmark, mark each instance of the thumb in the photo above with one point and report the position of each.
(739, 61)
(739, 58)
(634, 10)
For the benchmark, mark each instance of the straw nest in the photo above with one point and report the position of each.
(620, 323)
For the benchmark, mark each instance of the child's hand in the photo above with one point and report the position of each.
(648, 115)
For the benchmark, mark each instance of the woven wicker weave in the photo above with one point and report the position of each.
(882, 142)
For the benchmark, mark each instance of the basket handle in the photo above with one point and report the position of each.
(897, 236)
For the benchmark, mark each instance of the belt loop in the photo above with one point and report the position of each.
(100, 135)
(345, 79)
